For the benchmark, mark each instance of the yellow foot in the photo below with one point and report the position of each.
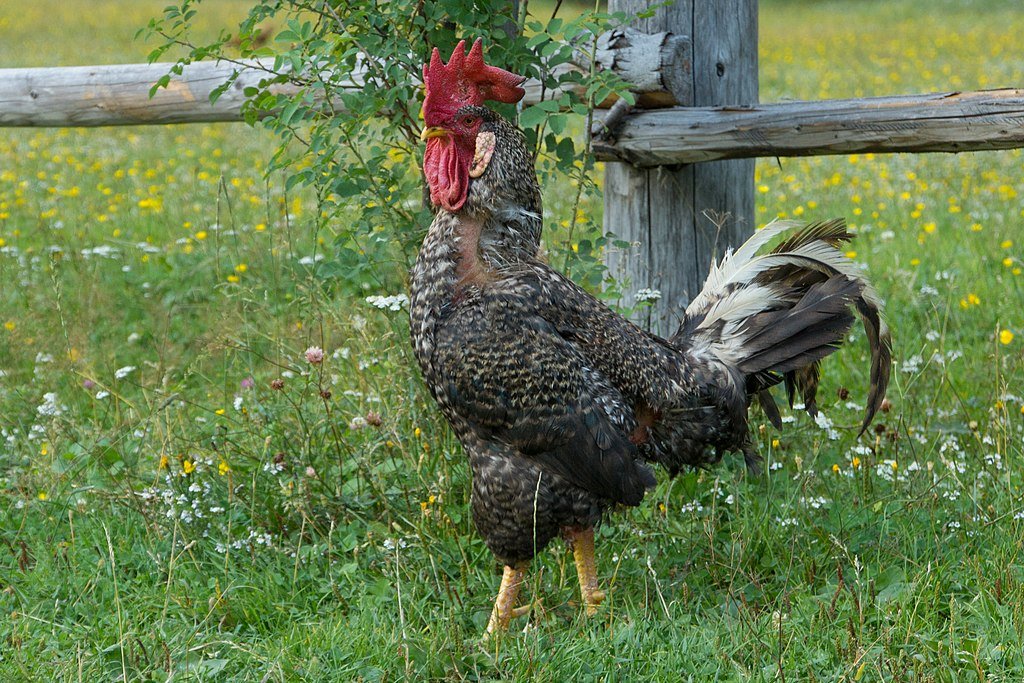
(504, 605)
(582, 543)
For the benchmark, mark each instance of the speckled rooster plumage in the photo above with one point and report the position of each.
(560, 403)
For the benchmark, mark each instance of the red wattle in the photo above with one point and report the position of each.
(446, 166)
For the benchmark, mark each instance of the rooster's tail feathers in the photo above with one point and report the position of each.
(775, 315)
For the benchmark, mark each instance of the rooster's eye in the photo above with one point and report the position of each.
(469, 120)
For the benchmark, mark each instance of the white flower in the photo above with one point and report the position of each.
(394, 302)
(49, 407)
(121, 373)
(358, 422)
(826, 424)
(648, 294)
(238, 403)
(101, 394)
(912, 364)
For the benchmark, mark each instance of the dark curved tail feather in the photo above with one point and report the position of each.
(774, 316)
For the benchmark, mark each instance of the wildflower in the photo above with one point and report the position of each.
(43, 495)
(201, 235)
(88, 384)
(223, 468)
(373, 419)
(121, 373)
(241, 268)
(856, 462)
(1005, 337)
(277, 384)
(233, 279)
(164, 462)
(416, 432)
(392, 303)
(835, 468)
(358, 422)
(310, 472)
(49, 407)
(188, 467)
(648, 294)
(9, 326)
(314, 355)
(248, 383)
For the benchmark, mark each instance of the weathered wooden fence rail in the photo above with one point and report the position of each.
(118, 95)
(938, 122)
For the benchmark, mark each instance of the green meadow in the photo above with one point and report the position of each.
(184, 497)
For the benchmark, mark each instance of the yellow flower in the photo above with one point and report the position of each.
(775, 443)
(835, 468)
(851, 254)
(1007, 261)
(973, 299)
(856, 461)
(219, 411)
(1006, 244)
(201, 235)
(416, 432)
(45, 449)
(234, 278)
(915, 261)
(164, 462)
(241, 268)
(929, 228)
(43, 495)
(223, 468)
(188, 467)
(1005, 337)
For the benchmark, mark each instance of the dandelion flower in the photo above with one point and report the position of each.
(1005, 337)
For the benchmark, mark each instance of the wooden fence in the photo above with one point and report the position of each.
(679, 185)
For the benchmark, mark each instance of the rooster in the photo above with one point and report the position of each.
(560, 403)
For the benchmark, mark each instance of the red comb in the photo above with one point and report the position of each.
(465, 79)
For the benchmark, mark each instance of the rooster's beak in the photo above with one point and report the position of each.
(433, 132)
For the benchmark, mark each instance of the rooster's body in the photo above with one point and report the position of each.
(559, 402)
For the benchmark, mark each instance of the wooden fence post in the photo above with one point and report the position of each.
(679, 217)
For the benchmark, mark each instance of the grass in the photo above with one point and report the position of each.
(167, 513)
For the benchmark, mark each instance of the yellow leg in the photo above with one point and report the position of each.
(504, 604)
(582, 543)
